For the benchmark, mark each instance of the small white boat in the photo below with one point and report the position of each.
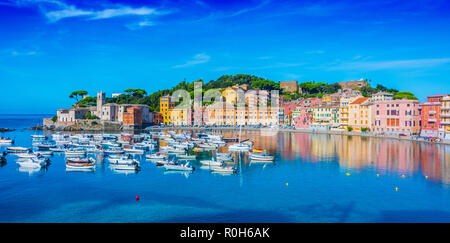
(134, 151)
(176, 151)
(38, 137)
(222, 169)
(186, 157)
(74, 153)
(239, 147)
(124, 167)
(211, 162)
(262, 157)
(156, 156)
(57, 150)
(123, 161)
(180, 167)
(33, 163)
(80, 166)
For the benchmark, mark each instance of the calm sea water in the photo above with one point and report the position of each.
(315, 178)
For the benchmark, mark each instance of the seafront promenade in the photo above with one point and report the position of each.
(343, 133)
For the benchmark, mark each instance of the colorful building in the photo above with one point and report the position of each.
(382, 96)
(397, 117)
(133, 117)
(181, 117)
(361, 114)
(431, 116)
(445, 118)
(165, 107)
(344, 103)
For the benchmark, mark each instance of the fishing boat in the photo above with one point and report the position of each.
(80, 164)
(17, 149)
(80, 160)
(45, 146)
(180, 167)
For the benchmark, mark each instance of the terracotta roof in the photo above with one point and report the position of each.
(360, 100)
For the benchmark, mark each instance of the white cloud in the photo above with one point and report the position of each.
(55, 10)
(23, 53)
(140, 25)
(397, 64)
(68, 12)
(123, 11)
(197, 59)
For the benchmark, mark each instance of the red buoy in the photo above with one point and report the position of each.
(137, 198)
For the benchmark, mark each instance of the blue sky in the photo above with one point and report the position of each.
(49, 48)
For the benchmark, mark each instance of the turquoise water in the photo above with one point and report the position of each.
(314, 166)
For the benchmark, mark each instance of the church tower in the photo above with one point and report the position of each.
(100, 102)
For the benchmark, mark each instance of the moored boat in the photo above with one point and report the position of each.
(17, 149)
(179, 167)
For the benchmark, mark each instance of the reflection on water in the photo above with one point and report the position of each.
(357, 152)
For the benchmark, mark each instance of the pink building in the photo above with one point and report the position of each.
(302, 116)
(431, 116)
(198, 116)
(285, 113)
(397, 117)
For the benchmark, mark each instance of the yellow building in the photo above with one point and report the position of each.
(165, 107)
(231, 93)
(180, 117)
(361, 114)
(344, 109)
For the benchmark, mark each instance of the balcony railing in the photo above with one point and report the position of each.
(445, 122)
(432, 112)
(445, 115)
(445, 108)
(432, 120)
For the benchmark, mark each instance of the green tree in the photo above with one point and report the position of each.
(76, 94)
(404, 94)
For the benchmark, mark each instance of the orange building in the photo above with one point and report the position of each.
(157, 118)
(133, 116)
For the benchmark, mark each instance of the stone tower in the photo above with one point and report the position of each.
(100, 102)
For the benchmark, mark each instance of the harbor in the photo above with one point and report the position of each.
(312, 178)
